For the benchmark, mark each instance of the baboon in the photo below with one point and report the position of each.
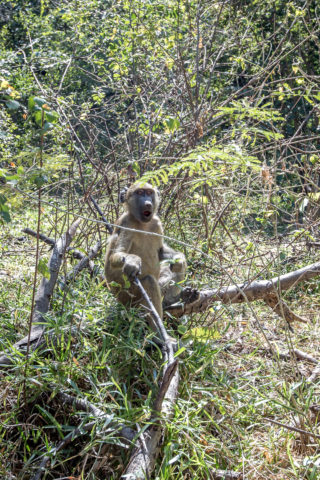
(132, 253)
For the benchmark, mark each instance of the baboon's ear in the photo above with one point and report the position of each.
(122, 195)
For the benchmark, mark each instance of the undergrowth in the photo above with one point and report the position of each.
(231, 384)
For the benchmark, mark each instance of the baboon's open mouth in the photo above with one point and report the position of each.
(147, 213)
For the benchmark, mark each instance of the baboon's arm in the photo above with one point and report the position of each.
(119, 248)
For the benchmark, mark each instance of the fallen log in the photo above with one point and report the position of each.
(245, 292)
(43, 296)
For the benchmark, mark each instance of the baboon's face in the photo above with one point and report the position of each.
(143, 202)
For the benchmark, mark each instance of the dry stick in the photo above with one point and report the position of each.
(305, 356)
(108, 226)
(299, 354)
(67, 439)
(314, 374)
(293, 429)
(84, 259)
(123, 431)
(44, 238)
(51, 241)
(256, 290)
(77, 432)
(280, 307)
(44, 293)
(142, 461)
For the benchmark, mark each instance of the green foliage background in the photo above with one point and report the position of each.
(217, 103)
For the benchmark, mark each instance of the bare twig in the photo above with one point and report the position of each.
(293, 429)
(108, 226)
(225, 475)
(304, 356)
(280, 307)
(42, 237)
(119, 430)
(167, 378)
(314, 374)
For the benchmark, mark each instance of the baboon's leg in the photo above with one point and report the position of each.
(169, 280)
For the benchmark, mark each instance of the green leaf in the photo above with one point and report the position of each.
(43, 268)
(171, 124)
(52, 116)
(46, 127)
(13, 104)
(39, 101)
(31, 103)
(204, 334)
(39, 117)
(50, 419)
(4, 210)
(39, 178)
(181, 350)
(182, 329)
(4, 216)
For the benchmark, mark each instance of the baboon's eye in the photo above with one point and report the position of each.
(140, 192)
(149, 192)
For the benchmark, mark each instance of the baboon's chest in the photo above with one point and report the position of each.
(147, 248)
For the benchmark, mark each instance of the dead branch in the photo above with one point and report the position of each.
(165, 384)
(298, 354)
(304, 356)
(293, 429)
(51, 241)
(280, 307)
(83, 404)
(44, 294)
(77, 432)
(255, 290)
(42, 237)
(314, 374)
(145, 453)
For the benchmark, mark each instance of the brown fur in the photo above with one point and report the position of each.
(132, 253)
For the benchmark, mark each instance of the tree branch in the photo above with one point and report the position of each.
(51, 241)
(256, 290)
(145, 453)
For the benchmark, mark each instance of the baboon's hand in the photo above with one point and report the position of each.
(132, 266)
